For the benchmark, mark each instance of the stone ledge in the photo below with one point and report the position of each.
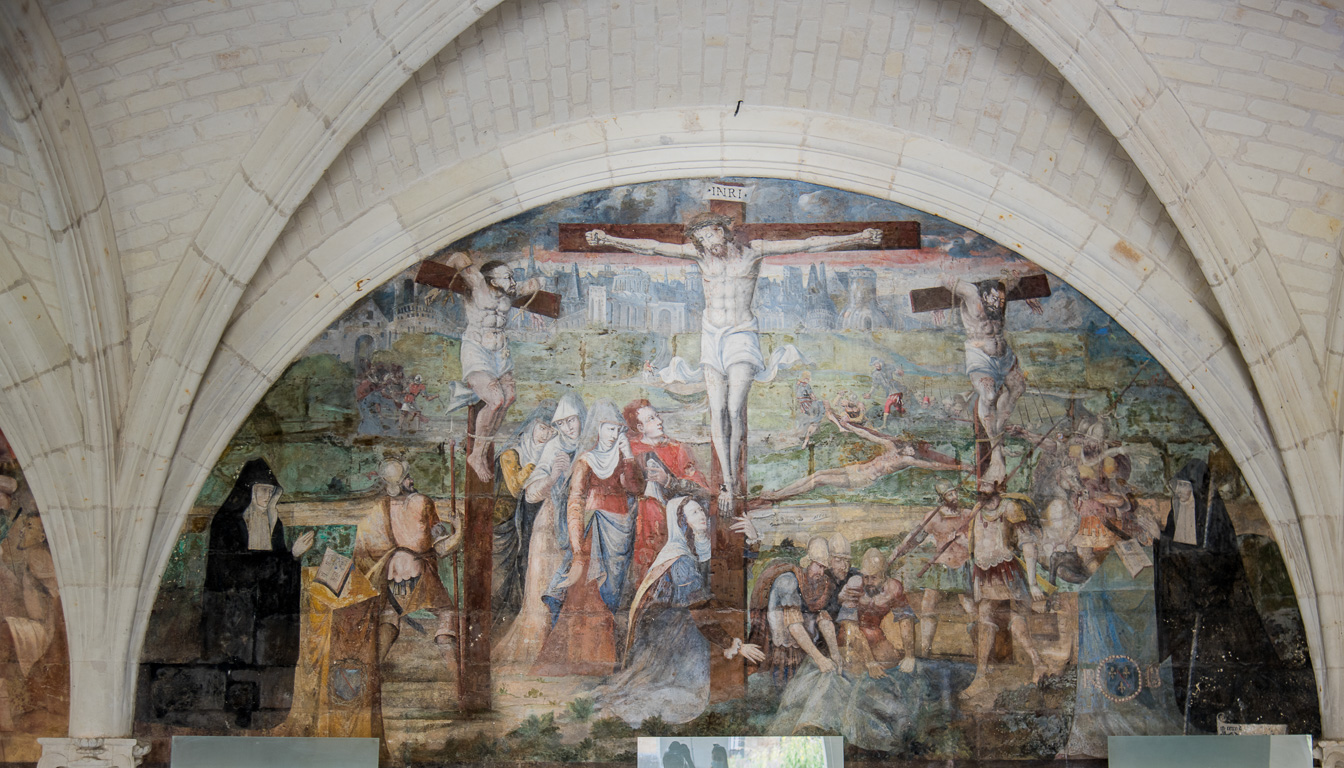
(91, 753)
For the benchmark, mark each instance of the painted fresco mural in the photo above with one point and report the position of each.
(34, 657)
(724, 458)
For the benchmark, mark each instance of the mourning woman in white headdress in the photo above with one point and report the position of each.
(666, 670)
(600, 520)
(547, 552)
(514, 513)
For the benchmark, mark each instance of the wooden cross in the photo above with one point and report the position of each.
(437, 275)
(942, 298)
(730, 200)
(474, 681)
(728, 577)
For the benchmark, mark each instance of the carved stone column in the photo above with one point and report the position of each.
(1332, 753)
(91, 753)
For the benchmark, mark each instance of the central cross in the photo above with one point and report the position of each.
(729, 252)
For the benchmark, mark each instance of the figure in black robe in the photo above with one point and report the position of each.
(250, 612)
(1222, 659)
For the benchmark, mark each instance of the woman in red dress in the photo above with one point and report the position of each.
(601, 523)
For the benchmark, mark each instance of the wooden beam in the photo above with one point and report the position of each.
(437, 275)
(733, 209)
(896, 235)
(573, 237)
(474, 688)
(939, 297)
(727, 582)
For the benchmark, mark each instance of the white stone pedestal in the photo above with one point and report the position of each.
(1332, 753)
(91, 753)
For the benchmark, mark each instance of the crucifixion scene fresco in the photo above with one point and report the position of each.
(724, 457)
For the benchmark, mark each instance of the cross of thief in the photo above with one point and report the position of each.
(991, 364)
(489, 292)
(729, 252)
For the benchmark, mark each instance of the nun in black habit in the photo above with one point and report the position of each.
(250, 612)
(1223, 661)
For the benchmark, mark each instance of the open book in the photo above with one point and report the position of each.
(334, 572)
(1132, 555)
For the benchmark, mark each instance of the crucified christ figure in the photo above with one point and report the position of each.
(730, 350)
(896, 455)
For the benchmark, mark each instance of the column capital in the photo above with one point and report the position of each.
(91, 753)
(1332, 753)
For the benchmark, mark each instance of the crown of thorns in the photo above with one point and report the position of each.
(709, 220)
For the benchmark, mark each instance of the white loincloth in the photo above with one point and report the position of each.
(478, 359)
(30, 641)
(980, 363)
(475, 359)
(722, 348)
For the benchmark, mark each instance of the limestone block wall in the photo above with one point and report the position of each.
(1261, 79)
(21, 226)
(952, 72)
(174, 94)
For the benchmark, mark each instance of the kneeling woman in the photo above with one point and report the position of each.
(667, 660)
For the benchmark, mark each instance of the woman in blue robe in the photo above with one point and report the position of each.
(666, 673)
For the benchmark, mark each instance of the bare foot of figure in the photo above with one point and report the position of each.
(977, 687)
(476, 460)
